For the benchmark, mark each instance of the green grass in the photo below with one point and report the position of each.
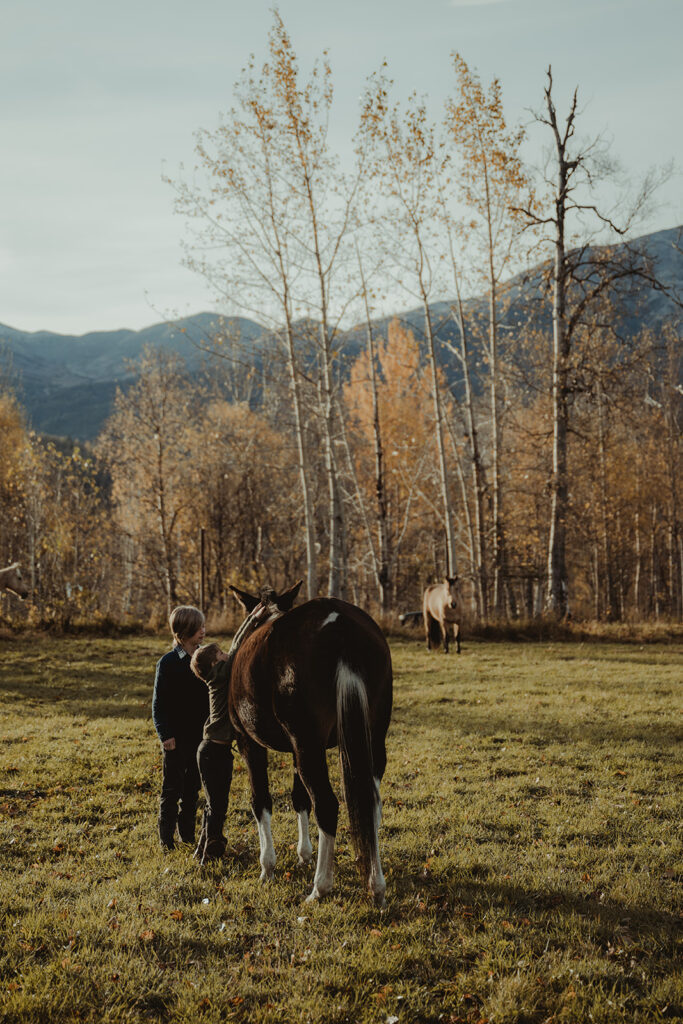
(531, 843)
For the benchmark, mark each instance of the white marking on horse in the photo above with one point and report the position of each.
(304, 847)
(288, 679)
(265, 835)
(324, 871)
(246, 714)
(330, 618)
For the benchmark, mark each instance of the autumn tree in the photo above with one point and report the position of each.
(492, 183)
(146, 446)
(241, 495)
(410, 165)
(400, 398)
(272, 222)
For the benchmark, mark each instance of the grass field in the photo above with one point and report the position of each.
(531, 843)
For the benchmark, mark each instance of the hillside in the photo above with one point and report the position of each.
(67, 384)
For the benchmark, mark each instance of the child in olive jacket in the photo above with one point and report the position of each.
(214, 754)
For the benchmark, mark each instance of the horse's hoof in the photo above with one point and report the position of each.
(305, 858)
(314, 897)
(213, 850)
(266, 876)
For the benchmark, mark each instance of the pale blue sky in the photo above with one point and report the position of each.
(98, 98)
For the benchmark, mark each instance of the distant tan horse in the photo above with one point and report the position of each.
(441, 609)
(11, 579)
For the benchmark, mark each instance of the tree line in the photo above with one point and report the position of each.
(539, 464)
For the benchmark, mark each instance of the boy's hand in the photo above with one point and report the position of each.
(169, 744)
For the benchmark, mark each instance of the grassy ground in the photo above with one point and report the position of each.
(531, 844)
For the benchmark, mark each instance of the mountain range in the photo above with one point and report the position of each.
(67, 384)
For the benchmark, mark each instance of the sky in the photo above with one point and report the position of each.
(101, 99)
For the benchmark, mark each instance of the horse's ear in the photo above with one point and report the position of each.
(287, 599)
(248, 601)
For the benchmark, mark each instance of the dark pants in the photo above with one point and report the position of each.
(215, 768)
(180, 785)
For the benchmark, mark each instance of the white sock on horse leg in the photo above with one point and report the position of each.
(265, 836)
(324, 871)
(304, 848)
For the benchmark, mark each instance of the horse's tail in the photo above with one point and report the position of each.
(434, 632)
(355, 756)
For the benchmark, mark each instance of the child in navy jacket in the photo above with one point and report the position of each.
(180, 706)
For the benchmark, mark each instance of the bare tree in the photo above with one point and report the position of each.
(579, 276)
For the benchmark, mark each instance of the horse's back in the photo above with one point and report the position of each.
(285, 673)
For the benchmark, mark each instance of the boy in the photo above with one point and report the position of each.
(214, 754)
(180, 705)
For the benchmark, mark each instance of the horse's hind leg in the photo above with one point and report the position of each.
(376, 882)
(302, 805)
(261, 805)
(312, 766)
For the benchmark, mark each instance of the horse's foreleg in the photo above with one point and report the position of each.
(302, 805)
(312, 766)
(261, 806)
(444, 635)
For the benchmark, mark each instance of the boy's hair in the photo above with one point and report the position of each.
(185, 621)
(203, 660)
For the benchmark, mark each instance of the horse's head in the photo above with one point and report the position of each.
(452, 585)
(11, 579)
(276, 604)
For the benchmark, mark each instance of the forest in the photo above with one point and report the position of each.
(540, 465)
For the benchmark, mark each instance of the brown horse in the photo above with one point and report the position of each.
(311, 678)
(441, 608)
(11, 579)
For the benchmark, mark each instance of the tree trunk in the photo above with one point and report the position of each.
(382, 559)
(557, 585)
(496, 516)
(438, 417)
(309, 528)
(478, 475)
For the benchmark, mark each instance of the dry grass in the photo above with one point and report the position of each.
(531, 843)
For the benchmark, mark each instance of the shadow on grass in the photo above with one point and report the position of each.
(487, 721)
(454, 896)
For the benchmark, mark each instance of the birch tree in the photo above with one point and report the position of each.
(410, 164)
(492, 182)
(272, 214)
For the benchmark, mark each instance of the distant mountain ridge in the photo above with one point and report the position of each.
(67, 383)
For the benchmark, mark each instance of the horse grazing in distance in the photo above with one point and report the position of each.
(11, 579)
(441, 608)
(310, 678)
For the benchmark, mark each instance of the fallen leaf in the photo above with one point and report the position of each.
(149, 935)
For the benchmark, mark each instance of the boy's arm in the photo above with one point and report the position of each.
(253, 619)
(160, 698)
